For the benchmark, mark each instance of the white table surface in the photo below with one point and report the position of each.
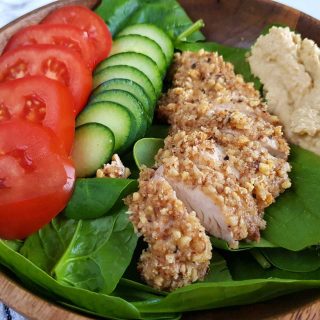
(11, 9)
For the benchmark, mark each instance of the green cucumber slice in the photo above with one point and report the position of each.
(127, 100)
(115, 116)
(138, 61)
(141, 44)
(129, 73)
(154, 33)
(129, 86)
(93, 147)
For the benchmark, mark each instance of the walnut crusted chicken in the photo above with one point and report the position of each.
(250, 150)
(179, 250)
(225, 157)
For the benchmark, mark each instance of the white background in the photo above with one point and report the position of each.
(311, 7)
(10, 9)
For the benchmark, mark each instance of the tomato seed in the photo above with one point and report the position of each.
(34, 109)
(18, 70)
(55, 69)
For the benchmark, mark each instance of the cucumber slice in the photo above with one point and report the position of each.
(154, 33)
(129, 73)
(129, 86)
(127, 100)
(115, 116)
(139, 61)
(141, 44)
(93, 146)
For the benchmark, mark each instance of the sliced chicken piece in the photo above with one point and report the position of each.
(235, 119)
(204, 77)
(207, 181)
(178, 251)
(200, 100)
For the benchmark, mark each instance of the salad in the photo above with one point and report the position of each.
(101, 111)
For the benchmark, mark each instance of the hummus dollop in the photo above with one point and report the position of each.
(289, 69)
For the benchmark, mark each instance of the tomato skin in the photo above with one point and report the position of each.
(61, 34)
(15, 96)
(36, 178)
(89, 22)
(54, 62)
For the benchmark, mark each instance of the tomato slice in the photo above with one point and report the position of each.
(40, 100)
(54, 62)
(89, 22)
(36, 178)
(61, 34)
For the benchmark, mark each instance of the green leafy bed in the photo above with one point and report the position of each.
(86, 258)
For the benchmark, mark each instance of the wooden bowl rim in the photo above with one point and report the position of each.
(32, 306)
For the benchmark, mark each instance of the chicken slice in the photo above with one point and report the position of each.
(209, 98)
(178, 251)
(204, 77)
(207, 181)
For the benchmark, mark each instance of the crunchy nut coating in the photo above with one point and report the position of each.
(115, 169)
(223, 141)
(179, 251)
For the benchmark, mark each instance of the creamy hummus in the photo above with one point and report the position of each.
(289, 68)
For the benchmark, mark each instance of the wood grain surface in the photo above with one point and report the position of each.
(232, 22)
(30, 305)
(240, 22)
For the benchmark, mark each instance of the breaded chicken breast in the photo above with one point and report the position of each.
(225, 160)
(179, 250)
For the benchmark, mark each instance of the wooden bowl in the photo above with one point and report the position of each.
(236, 23)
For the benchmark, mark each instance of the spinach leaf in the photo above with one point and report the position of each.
(95, 197)
(140, 286)
(134, 291)
(24, 269)
(166, 14)
(218, 270)
(158, 131)
(293, 220)
(98, 254)
(145, 150)
(243, 245)
(161, 316)
(208, 295)
(14, 244)
(307, 260)
(237, 56)
(260, 258)
(128, 161)
(45, 247)
(243, 267)
(157, 316)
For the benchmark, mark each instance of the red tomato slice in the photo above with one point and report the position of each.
(89, 22)
(54, 62)
(60, 34)
(36, 178)
(40, 100)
